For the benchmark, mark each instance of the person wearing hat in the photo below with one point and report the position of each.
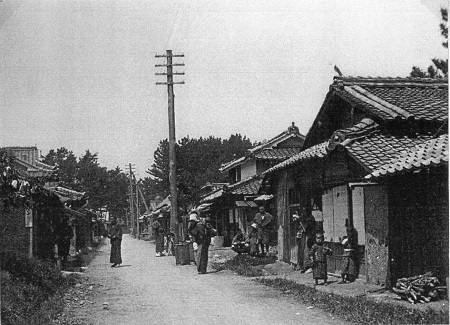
(253, 239)
(115, 235)
(264, 220)
(318, 256)
(201, 232)
(159, 231)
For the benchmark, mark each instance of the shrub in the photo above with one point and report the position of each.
(31, 290)
(246, 265)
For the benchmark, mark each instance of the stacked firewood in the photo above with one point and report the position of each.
(419, 289)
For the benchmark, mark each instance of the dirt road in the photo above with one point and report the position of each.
(153, 290)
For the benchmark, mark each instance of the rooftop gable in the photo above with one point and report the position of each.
(397, 103)
(270, 150)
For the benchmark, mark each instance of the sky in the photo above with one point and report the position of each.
(80, 74)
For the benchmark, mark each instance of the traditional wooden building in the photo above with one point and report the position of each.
(232, 205)
(364, 124)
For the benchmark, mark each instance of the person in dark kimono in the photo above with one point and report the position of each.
(318, 256)
(305, 237)
(239, 243)
(253, 239)
(115, 235)
(159, 233)
(264, 220)
(201, 233)
(350, 244)
(64, 235)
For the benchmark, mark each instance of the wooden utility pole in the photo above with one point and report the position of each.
(138, 235)
(172, 159)
(131, 196)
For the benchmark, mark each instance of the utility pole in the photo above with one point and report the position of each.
(138, 235)
(172, 159)
(143, 200)
(131, 197)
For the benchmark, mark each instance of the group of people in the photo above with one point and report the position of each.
(163, 242)
(312, 254)
(256, 242)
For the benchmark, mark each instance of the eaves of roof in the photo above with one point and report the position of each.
(249, 186)
(433, 152)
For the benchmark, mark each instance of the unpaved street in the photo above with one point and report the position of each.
(153, 290)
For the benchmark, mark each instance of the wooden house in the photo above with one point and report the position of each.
(233, 204)
(364, 125)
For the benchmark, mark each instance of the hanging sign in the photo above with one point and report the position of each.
(28, 218)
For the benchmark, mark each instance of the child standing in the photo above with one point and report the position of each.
(318, 256)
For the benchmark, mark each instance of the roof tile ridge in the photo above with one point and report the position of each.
(367, 100)
(400, 81)
(377, 99)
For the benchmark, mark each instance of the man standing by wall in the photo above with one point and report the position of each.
(264, 220)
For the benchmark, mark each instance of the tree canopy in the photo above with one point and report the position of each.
(198, 162)
(102, 186)
(440, 68)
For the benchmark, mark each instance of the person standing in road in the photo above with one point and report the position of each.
(115, 235)
(201, 232)
(318, 256)
(263, 219)
(158, 229)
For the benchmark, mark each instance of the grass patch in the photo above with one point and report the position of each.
(359, 310)
(32, 290)
(246, 265)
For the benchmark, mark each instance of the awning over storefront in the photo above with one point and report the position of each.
(246, 204)
(204, 207)
(264, 197)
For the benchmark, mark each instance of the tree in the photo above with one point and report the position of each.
(103, 187)
(198, 162)
(66, 162)
(440, 68)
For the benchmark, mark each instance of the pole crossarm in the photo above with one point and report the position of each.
(166, 73)
(167, 55)
(169, 65)
(171, 83)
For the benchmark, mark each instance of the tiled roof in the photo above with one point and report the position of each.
(277, 154)
(378, 149)
(212, 195)
(396, 98)
(268, 145)
(430, 153)
(317, 151)
(249, 186)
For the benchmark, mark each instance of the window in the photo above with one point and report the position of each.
(294, 196)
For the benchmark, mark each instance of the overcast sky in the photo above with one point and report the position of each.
(81, 74)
